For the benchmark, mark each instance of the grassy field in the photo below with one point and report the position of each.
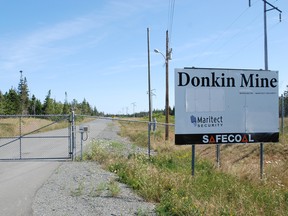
(13, 126)
(165, 178)
(233, 189)
(10, 127)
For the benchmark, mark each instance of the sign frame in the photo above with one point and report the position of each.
(225, 106)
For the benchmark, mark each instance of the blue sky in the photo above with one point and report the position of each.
(97, 50)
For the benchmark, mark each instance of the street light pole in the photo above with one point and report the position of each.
(166, 57)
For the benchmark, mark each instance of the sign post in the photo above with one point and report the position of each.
(193, 160)
(218, 155)
(225, 106)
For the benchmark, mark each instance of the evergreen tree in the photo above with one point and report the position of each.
(48, 106)
(66, 107)
(23, 94)
(58, 107)
(35, 106)
(173, 111)
(285, 95)
(74, 105)
(2, 103)
(12, 104)
(95, 111)
(17, 101)
(38, 107)
(85, 108)
(32, 106)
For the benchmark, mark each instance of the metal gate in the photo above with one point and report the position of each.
(37, 137)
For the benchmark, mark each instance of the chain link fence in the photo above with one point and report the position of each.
(35, 137)
(142, 134)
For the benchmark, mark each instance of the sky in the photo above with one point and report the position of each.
(98, 50)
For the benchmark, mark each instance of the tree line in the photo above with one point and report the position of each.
(283, 103)
(17, 101)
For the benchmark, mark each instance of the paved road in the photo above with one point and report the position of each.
(19, 181)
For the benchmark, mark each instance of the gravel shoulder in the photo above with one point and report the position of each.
(83, 188)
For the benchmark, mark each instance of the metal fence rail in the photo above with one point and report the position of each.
(58, 136)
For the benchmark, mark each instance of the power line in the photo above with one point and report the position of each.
(225, 31)
(248, 44)
(170, 18)
(238, 33)
(258, 36)
(242, 30)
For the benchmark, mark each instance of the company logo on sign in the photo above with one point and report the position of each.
(193, 120)
(206, 122)
(227, 138)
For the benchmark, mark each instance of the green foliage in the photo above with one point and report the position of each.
(66, 108)
(11, 103)
(113, 188)
(95, 153)
(48, 107)
(166, 180)
(35, 106)
(18, 102)
(23, 93)
(2, 102)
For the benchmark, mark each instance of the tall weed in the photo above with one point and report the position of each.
(234, 189)
(166, 179)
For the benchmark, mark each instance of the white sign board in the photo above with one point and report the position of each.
(226, 106)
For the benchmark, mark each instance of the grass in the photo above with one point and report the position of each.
(79, 190)
(111, 186)
(241, 160)
(11, 126)
(166, 179)
(95, 192)
(234, 189)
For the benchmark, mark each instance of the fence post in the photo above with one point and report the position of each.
(20, 136)
(149, 138)
(81, 145)
(154, 124)
(73, 144)
(282, 114)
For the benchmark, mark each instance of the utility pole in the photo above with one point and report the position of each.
(265, 38)
(167, 88)
(152, 94)
(266, 68)
(149, 80)
(133, 104)
(21, 92)
(272, 7)
(166, 57)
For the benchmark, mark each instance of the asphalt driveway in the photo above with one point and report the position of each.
(20, 180)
